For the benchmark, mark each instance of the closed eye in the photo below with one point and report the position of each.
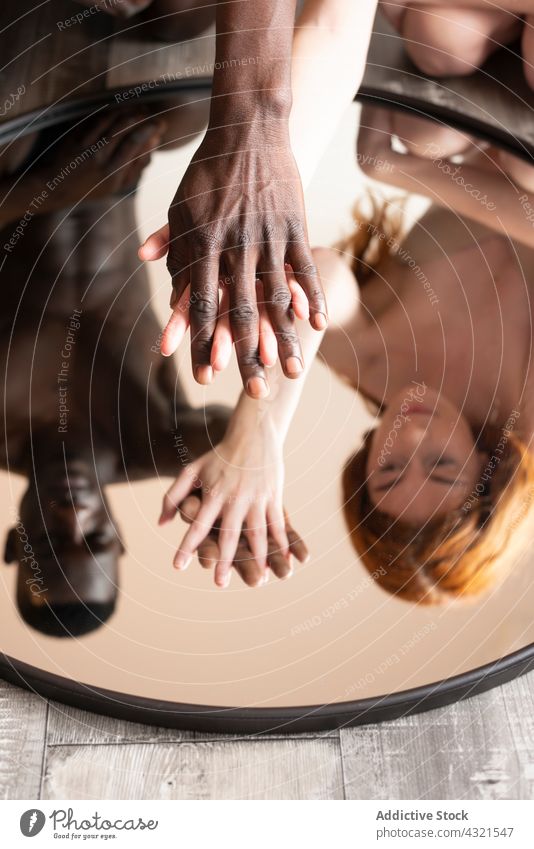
(435, 478)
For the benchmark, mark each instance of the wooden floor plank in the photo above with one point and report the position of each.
(241, 769)
(68, 725)
(481, 748)
(22, 742)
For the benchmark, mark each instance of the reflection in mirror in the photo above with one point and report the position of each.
(407, 469)
(441, 489)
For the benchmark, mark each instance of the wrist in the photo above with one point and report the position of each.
(252, 420)
(260, 107)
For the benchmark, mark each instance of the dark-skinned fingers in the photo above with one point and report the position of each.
(248, 569)
(277, 528)
(208, 553)
(307, 276)
(282, 317)
(179, 262)
(228, 539)
(297, 546)
(256, 533)
(203, 314)
(279, 565)
(189, 508)
(244, 320)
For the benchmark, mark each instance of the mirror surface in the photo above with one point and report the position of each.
(419, 567)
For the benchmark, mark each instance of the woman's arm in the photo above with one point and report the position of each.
(242, 478)
(478, 188)
(330, 48)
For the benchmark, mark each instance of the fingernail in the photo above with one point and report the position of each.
(257, 387)
(215, 362)
(204, 374)
(223, 580)
(182, 561)
(320, 321)
(293, 365)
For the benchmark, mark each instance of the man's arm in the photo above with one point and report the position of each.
(252, 73)
(238, 214)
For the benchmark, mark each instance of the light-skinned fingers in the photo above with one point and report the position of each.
(268, 343)
(299, 301)
(196, 534)
(155, 246)
(282, 318)
(221, 350)
(176, 493)
(174, 332)
(307, 276)
(228, 540)
(256, 534)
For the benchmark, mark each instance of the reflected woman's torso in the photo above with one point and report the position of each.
(467, 334)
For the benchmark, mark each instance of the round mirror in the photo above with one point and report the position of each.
(409, 472)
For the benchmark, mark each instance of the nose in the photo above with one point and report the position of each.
(414, 433)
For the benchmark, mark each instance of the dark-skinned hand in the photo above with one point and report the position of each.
(238, 217)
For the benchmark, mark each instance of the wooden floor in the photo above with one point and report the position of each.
(482, 748)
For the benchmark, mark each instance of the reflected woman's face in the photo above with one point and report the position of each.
(422, 460)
